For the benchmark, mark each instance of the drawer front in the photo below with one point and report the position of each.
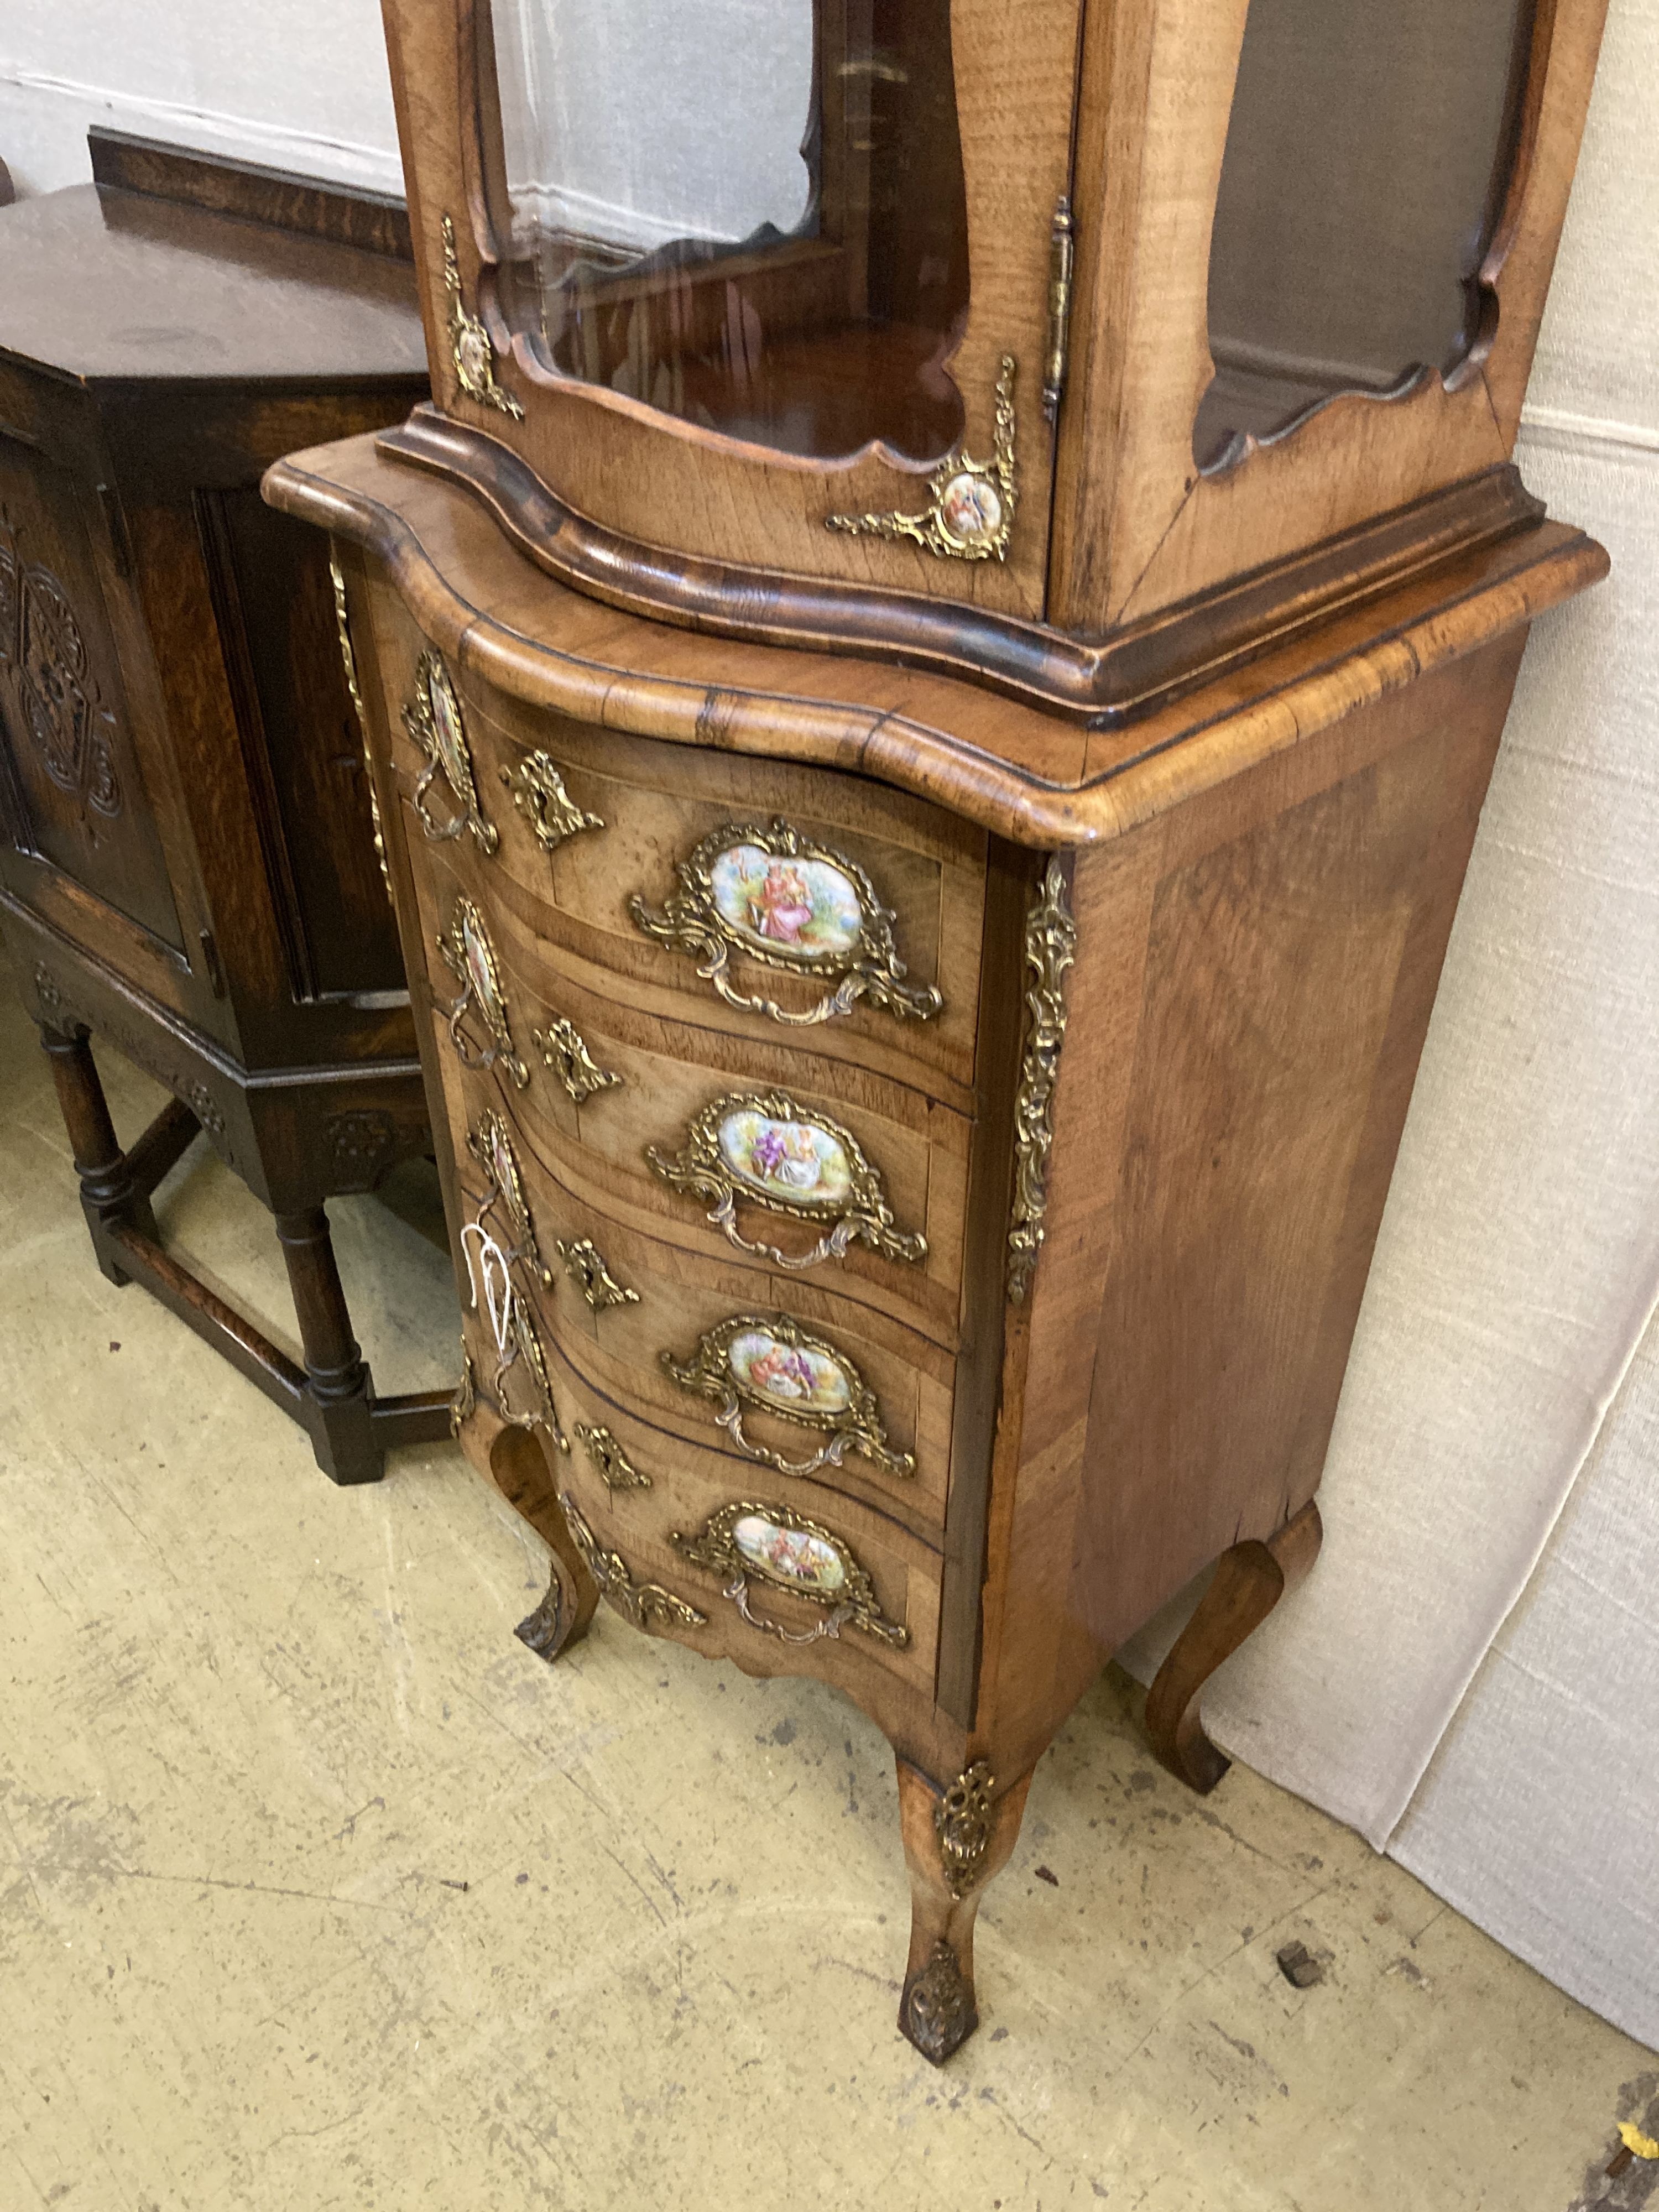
(843, 1182)
(716, 1245)
(821, 1568)
(756, 1368)
(826, 911)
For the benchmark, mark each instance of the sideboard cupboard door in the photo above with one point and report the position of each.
(80, 800)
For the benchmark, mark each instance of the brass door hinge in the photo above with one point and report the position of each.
(1062, 251)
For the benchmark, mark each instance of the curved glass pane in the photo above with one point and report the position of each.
(1367, 159)
(749, 214)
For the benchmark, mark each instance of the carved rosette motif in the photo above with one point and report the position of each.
(471, 349)
(970, 516)
(41, 642)
(1050, 949)
(361, 1143)
(961, 1821)
(777, 898)
(645, 1604)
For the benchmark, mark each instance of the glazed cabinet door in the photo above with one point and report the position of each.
(762, 281)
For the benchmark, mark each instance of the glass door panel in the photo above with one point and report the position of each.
(1367, 159)
(749, 214)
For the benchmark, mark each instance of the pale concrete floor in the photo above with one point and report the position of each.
(318, 1891)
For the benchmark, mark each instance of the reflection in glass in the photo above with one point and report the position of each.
(749, 214)
(1367, 159)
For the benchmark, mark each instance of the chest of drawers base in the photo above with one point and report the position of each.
(911, 1209)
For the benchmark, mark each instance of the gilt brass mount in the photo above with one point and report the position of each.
(645, 1604)
(1050, 949)
(471, 349)
(470, 956)
(772, 1364)
(783, 1549)
(766, 1150)
(963, 1823)
(757, 894)
(562, 1047)
(539, 795)
(971, 514)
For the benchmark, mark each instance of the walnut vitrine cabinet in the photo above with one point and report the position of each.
(932, 666)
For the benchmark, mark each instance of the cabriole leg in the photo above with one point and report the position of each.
(519, 1470)
(1248, 1583)
(954, 1843)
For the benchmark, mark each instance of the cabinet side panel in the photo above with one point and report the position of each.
(1290, 972)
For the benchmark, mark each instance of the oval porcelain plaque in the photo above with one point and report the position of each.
(799, 1162)
(971, 507)
(808, 906)
(792, 1374)
(789, 1555)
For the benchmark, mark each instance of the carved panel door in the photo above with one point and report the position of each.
(71, 791)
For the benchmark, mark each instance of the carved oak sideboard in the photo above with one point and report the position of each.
(187, 865)
(931, 694)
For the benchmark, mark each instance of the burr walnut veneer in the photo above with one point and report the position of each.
(929, 735)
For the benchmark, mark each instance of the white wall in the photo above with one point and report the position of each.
(298, 84)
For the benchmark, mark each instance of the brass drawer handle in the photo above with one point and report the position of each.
(777, 1545)
(585, 1264)
(433, 720)
(616, 1470)
(771, 1363)
(774, 898)
(643, 1603)
(539, 795)
(767, 1151)
(562, 1047)
(517, 1347)
(490, 1145)
(467, 953)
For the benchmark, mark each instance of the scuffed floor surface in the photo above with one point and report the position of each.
(318, 1891)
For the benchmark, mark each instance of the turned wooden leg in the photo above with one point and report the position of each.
(518, 1467)
(1248, 1583)
(954, 1842)
(110, 1193)
(338, 1382)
